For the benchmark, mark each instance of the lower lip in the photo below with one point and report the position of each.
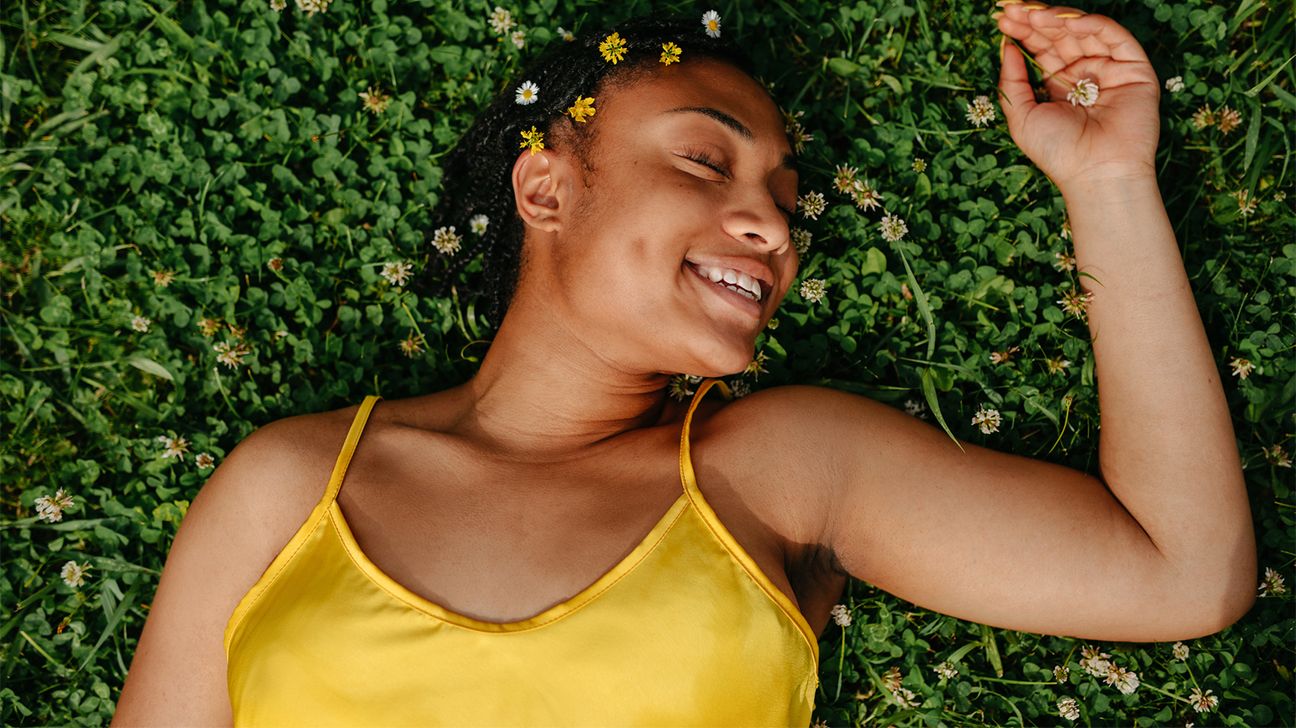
(737, 300)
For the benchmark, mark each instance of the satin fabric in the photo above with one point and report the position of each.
(685, 631)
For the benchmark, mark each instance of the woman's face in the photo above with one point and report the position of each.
(617, 260)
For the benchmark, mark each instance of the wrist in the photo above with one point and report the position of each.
(1129, 184)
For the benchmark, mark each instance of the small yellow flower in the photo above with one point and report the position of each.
(533, 139)
(670, 53)
(584, 107)
(613, 48)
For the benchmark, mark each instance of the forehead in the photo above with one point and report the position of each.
(701, 84)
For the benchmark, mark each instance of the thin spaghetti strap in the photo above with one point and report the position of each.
(686, 463)
(349, 446)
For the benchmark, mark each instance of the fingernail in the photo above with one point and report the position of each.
(1003, 40)
(1006, 3)
(1068, 15)
(997, 14)
(1033, 6)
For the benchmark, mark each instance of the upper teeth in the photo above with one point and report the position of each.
(733, 277)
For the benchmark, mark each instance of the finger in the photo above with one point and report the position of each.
(1048, 22)
(1040, 45)
(1018, 98)
(1119, 42)
(1031, 38)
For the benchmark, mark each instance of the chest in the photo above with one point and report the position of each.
(502, 543)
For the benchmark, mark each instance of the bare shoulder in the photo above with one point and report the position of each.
(782, 442)
(241, 517)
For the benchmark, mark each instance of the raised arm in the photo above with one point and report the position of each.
(1166, 446)
(1160, 547)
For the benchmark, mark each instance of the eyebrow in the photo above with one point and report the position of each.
(788, 161)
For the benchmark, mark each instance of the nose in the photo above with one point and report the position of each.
(762, 224)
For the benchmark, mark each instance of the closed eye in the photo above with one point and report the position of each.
(701, 158)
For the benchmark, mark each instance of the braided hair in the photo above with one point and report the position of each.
(477, 175)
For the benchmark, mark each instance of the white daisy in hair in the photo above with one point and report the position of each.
(711, 21)
(527, 93)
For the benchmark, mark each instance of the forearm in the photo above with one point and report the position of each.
(1166, 445)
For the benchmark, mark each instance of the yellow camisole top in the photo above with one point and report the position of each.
(685, 631)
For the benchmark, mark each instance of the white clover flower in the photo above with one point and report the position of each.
(1068, 708)
(501, 20)
(396, 273)
(739, 388)
(1084, 92)
(140, 323)
(905, 698)
(919, 164)
(278, 5)
(711, 21)
(812, 290)
(946, 670)
(1061, 673)
(841, 615)
(310, 7)
(679, 388)
(1241, 367)
(1277, 455)
(1064, 261)
(812, 205)
(1057, 365)
(1202, 702)
(1125, 680)
(981, 112)
(50, 508)
(757, 366)
(204, 460)
(914, 408)
(566, 35)
(74, 574)
(1075, 303)
(1271, 584)
(477, 224)
(844, 178)
(375, 101)
(519, 38)
(173, 448)
(1174, 84)
(801, 240)
(866, 198)
(527, 93)
(1180, 651)
(1094, 662)
(446, 240)
(987, 419)
(893, 228)
(230, 356)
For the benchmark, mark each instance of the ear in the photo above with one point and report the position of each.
(538, 189)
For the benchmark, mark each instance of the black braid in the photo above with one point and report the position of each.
(477, 174)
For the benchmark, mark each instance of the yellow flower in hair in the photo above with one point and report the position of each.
(670, 53)
(533, 139)
(583, 107)
(613, 48)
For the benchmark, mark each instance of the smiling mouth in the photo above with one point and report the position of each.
(739, 300)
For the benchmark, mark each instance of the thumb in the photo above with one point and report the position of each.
(1018, 97)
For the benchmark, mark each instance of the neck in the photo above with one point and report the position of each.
(546, 395)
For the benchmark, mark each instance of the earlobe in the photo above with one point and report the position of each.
(535, 190)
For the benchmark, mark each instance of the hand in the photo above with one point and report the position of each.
(1116, 137)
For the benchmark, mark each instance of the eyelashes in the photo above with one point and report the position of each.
(701, 157)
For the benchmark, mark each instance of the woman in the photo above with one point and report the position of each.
(571, 546)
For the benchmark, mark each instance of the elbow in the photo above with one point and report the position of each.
(1220, 591)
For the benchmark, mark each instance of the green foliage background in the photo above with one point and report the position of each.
(208, 138)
